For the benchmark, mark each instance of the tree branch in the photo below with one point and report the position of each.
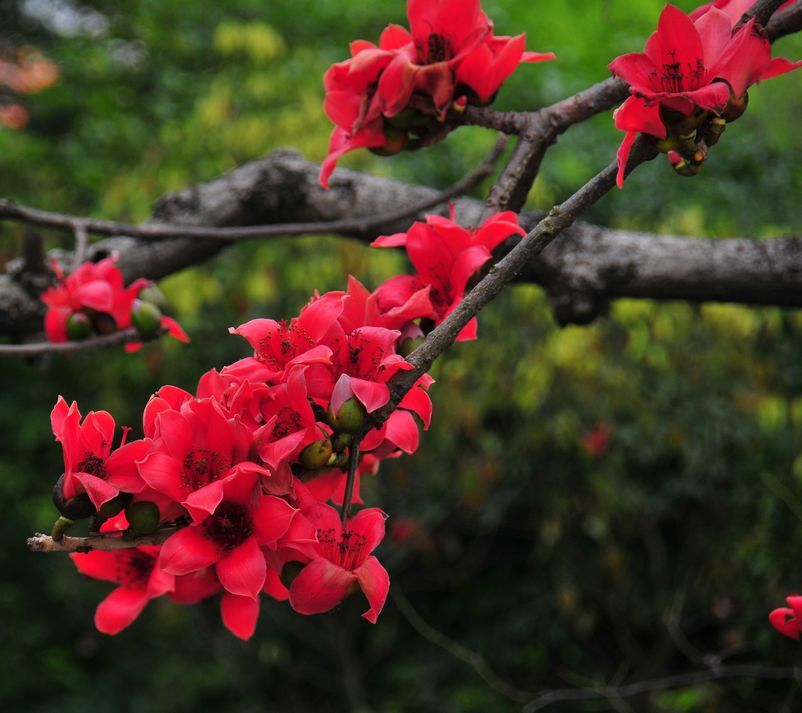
(44, 543)
(785, 22)
(547, 698)
(41, 348)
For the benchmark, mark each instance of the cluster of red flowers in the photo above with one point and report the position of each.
(245, 466)
(93, 299)
(691, 79)
(397, 95)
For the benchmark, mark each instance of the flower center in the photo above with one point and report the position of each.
(348, 550)
(92, 464)
(230, 525)
(202, 467)
(439, 49)
(279, 347)
(289, 421)
(133, 568)
(674, 80)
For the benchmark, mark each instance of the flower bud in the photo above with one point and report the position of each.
(736, 108)
(147, 318)
(349, 418)
(76, 508)
(151, 293)
(396, 141)
(143, 518)
(111, 507)
(78, 327)
(316, 455)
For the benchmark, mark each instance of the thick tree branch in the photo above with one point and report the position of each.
(785, 22)
(582, 272)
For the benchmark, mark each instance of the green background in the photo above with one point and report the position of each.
(558, 566)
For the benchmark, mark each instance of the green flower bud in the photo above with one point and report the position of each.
(147, 319)
(736, 108)
(143, 518)
(154, 295)
(78, 327)
(111, 507)
(350, 418)
(316, 455)
(396, 141)
(76, 508)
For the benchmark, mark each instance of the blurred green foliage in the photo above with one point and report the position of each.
(561, 567)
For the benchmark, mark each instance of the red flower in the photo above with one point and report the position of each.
(231, 538)
(90, 465)
(340, 561)
(362, 308)
(445, 256)
(450, 55)
(278, 346)
(689, 68)
(139, 577)
(788, 621)
(196, 451)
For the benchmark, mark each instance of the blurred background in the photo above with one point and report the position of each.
(602, 503)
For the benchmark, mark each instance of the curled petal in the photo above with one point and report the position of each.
(375, 583)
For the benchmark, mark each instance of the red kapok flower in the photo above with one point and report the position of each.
(445, 256)
(90, 465)
(788, 620)
(278, 346)
(196, 450)
(341, 562)
(137, 572)
(231, 538)
(689, 68)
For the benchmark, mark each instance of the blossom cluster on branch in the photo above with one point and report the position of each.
(246, 466)
(243, 474)
(93, 300)
(397, 94)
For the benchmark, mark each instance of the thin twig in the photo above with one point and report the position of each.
(81, 242)
(547, 698)
(473, 658)
(10, 210)
(44, 543)
(41, 348)
(353, 464)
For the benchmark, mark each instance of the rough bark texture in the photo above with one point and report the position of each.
(582, 270)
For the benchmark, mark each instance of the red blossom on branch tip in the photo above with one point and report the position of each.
(690, 71)
(397, 94)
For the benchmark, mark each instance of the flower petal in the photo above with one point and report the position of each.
(119, 609)
(243, 570)
(239, 614)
